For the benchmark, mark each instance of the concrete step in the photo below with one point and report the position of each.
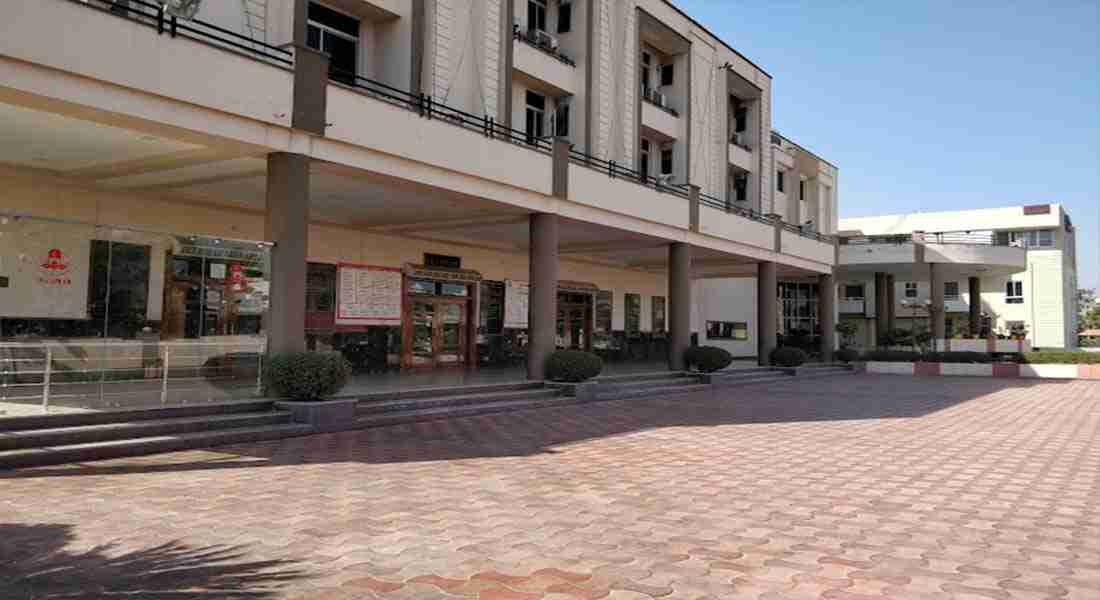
(758, 378)
(55, 455)
(405, 404)
(451, 412)
(82, 434)
(441, 391)
(643, 392)
(142, 414)
(634, 377)
(652, 383)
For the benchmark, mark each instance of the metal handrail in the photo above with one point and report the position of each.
(711, 201)
(650, 95)
(155, 16)
(428, 107)
(802, 231)
(614, 170)
(530, 37)
(964, 238)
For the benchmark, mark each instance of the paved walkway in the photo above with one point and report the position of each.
(846, 488)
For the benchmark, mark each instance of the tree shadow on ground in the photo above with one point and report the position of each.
(36, 564)
(541, 430)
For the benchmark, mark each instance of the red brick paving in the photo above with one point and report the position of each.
(847, 488)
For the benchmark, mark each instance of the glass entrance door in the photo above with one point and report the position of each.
(573, 326)
(438, 333)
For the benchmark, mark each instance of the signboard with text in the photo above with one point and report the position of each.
(516, 297)
(45, 267)
(368, 295)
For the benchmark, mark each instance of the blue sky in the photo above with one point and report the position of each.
(933, 105)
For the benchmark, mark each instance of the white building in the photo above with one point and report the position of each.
(1020, 260)
(446, 181)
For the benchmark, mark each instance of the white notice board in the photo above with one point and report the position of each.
(368, 295)
(516, 294)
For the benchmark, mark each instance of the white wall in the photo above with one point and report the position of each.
(731, 299)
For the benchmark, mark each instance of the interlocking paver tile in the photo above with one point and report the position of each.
(848, 488)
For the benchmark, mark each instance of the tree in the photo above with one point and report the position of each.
(1087, 309)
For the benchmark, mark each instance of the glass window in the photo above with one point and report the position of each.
(1045, 238)
(658, 314)
(338, 35)
(320, 288)
(422, 286)
(452, 289)
(779, 177)
(910, 289)
(727, 330)
(565, 17)
(536, 116)
(1014, 292)
(951, 290)
(632, 304)
(536, 14)
(601, 335)
(853, 292)
(644, 161)
(666, 161)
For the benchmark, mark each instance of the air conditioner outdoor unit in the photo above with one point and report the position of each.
(547, 40)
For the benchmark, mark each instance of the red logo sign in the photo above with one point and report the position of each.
(55, 270)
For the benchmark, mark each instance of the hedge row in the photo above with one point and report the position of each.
(1060, 358)
(1030, 358)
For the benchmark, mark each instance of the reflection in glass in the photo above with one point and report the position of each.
(423, 321)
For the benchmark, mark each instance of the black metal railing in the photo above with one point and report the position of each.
(155, 16)
(614, 170)
(730, 207)
(541, 41)
(807, 233)
(965, 238)
(659, 100)
(428, 107)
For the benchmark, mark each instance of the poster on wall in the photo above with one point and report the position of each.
(46, 267)
(368, 295)
(516, 295)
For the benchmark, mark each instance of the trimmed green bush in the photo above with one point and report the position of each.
(847, 355)
(573, 366)
(707, 359)
(306, 376)
(1060, 358)
(786, 356)
(958, 357)
(892, 356)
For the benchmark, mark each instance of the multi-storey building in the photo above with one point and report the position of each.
(1019, 262)
(441, 182)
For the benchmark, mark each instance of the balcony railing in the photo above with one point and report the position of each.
(542, 41)
(741, 140)
(155, 16)
(730, 207)
(807, 233)
(966, 238)
(659, 100)
(616, 171)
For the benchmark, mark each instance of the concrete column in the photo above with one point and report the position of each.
(881, 303)
(679, 303)
(693, 207)
(542, 308)
(826, 315)
(559, 165)
(766, 291)
(891, 304)
(975, 305)
(286, 223)
(935, 278)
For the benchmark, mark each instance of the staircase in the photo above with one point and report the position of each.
(808, 371)
(422, 404)
(640, 385)
(77, 437)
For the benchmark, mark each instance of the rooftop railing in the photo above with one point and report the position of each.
(966, 238)
(156, 16)
(543, 42)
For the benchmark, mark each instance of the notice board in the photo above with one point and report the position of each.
(368, 295)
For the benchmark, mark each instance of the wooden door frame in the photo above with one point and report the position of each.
(407, 331)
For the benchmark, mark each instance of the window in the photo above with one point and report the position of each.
(801, 189)
(779, 176)
(336, 34)
(536, 14)
(1039, 238)
(442, 261)
(601, 333)
(740, 187)
(727, 330)
(646, 63)
(740, 118)
(565, 17)
(666, 161)
(561, 119)
(666, 74)
(910, 289)
(951, 290)
(643, 163)
(536, 116)
(632, 321)
(853, 292)
(658, 314)
(1014, 292)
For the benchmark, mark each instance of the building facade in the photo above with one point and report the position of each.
(1019, 263)
(431, 183)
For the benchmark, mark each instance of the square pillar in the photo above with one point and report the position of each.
(542, 307)
(767, 291)
(286, 223)
(826, 315)
(891, 304)
(975, 305)
(679, 304)
(882, 302)
(938, 320)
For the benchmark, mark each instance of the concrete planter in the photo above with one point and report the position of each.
(326, 415)
(997, 369)
(890, 368)
(1049, 371)
(967, 369)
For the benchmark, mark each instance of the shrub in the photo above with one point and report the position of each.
(847, 355)
(306, 376)
(785, 356)
(896, 337)
(892, 356)
(1065, 358)
(707, 359)
(573, 366)
(958, 357)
